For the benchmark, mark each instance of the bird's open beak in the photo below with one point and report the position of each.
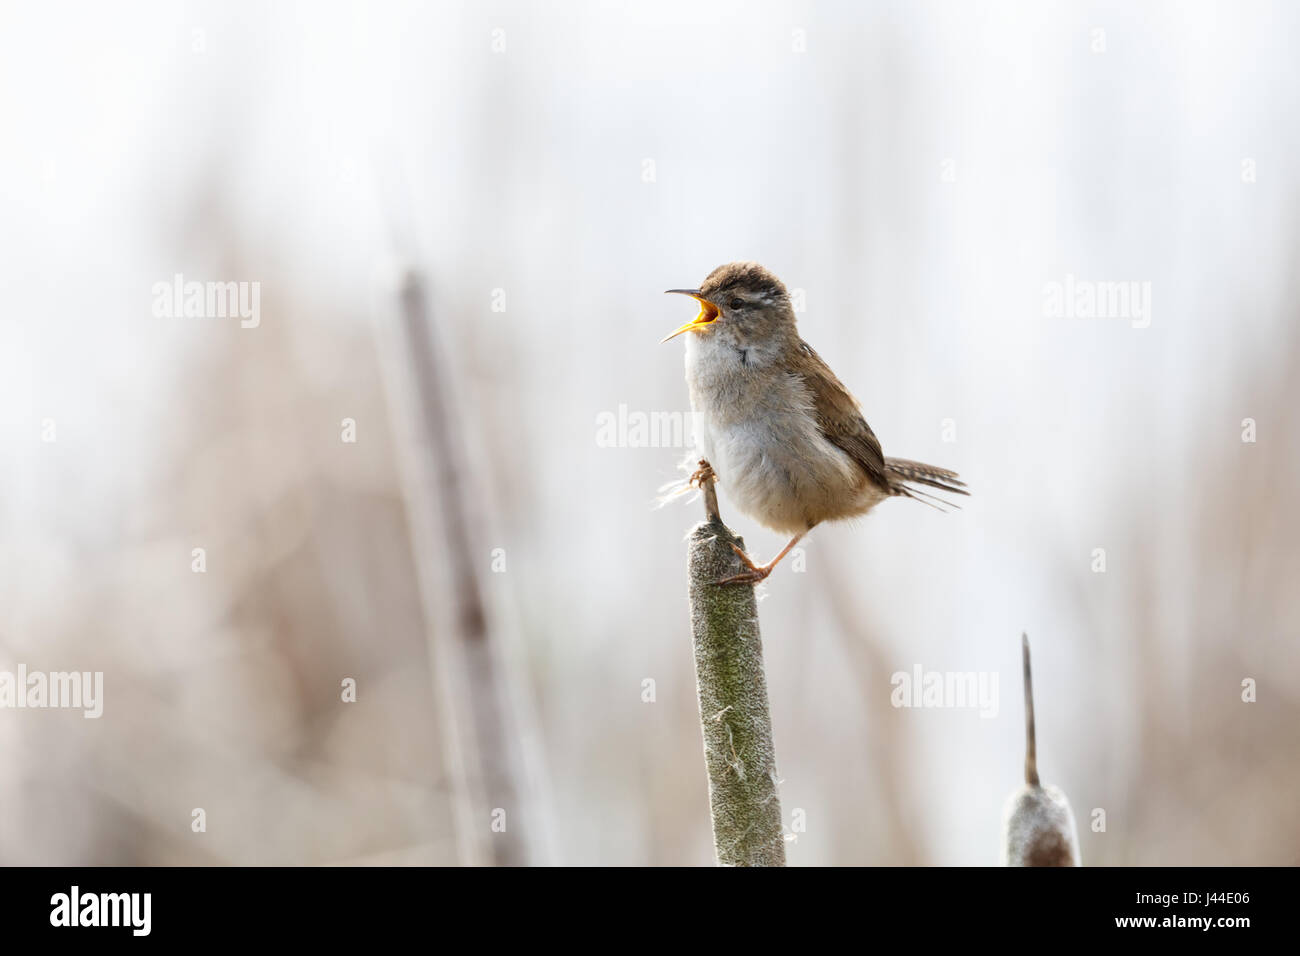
(708, 312)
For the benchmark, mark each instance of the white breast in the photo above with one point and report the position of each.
(756, 427)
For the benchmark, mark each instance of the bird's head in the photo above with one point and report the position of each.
(742, 304)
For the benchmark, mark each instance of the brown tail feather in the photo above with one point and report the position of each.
(902, 472)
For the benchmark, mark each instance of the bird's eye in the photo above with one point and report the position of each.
(736, 303)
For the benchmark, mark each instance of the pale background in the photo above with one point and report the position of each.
(323, 149)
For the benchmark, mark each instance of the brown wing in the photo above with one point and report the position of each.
(839, 417)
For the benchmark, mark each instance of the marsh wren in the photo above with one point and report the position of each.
(782, 433)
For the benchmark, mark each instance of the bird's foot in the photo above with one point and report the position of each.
(703, 474)
(755, 574)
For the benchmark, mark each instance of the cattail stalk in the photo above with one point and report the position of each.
(734, 716)
(499, 807)
(1038, 824)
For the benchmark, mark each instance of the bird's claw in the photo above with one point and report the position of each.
(703, 474)
(745, 577)
(754, 575)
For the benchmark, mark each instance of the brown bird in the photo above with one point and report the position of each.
(780, 430)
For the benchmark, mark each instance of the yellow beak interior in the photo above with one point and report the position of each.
(708, 313)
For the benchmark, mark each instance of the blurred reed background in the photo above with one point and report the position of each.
(922, 171)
